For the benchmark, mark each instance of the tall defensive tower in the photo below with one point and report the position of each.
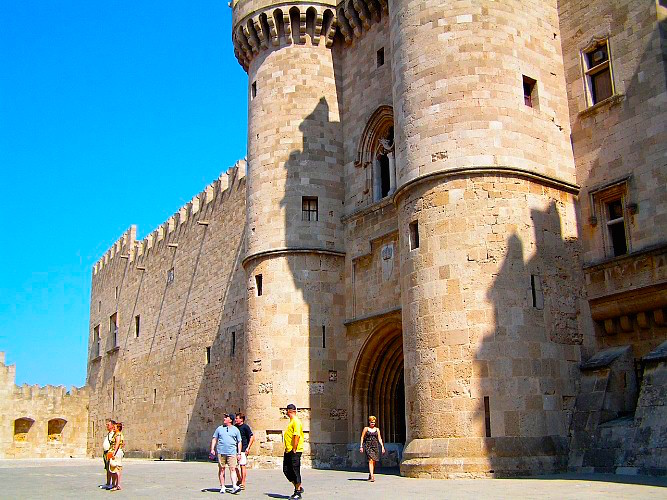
(294, 248)
(486, 201)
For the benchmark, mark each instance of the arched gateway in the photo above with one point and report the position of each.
(378, 384)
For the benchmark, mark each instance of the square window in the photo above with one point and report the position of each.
(380, 57)
(309, 208)
(598, 72)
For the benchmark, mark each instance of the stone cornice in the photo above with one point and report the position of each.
(547, 180)
(282, 251)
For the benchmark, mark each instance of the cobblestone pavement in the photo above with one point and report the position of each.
(78, 478)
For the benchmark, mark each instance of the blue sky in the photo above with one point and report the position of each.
(111, 114)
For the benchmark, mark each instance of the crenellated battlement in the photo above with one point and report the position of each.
(53, 393)
(356, 16)
(261, 25)
(128, 247)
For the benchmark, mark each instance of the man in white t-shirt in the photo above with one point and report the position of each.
(106, 446)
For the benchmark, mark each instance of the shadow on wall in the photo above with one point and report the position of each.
(530, 360)
(220, 390)
(319, 279)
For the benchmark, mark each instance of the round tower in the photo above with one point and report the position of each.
(294, 250)
(486, 202)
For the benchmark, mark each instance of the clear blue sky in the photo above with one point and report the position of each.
(111, 114)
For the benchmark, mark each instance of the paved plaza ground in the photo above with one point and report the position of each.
(78, 478)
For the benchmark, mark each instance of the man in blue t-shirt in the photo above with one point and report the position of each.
(226, 443)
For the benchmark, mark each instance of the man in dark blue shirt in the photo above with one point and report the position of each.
(247, 438)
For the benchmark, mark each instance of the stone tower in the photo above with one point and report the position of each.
(486, 205)
(294, 246)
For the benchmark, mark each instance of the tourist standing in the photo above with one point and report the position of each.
(247, 438)
(106, 446)
(116, 459)
(293, 451)
(227, 443)
(371, 441)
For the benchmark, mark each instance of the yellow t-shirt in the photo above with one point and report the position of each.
(295, 427)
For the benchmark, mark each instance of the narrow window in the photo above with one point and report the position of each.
(324, 337)
(99, 306)
(258, 285)
(96, 341)
(113, 329)
(385, 181)
(487, 416)
(309, 208)
(380, 57)
(616, 227)
(253, 90)
(170, 276)
(115, 293)
(529, 92)
(154, 396)
(208, 355)
(113, 393)
(536, 291)
(233, 351)
(597, 68)
(414, 235)
(137, 326)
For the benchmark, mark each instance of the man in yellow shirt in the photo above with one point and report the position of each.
(293, 450)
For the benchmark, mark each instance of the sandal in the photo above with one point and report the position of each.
(115, 488)
(372, 480)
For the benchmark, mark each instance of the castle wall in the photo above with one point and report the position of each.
(619, 146)
(41, 422)
(625, 135)
(159, 382)
(466, 286)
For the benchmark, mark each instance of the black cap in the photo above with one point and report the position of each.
(232, 416)
(291, 407)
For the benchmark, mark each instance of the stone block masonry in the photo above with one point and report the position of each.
(167, 326)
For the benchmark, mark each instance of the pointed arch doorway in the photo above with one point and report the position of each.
(378, 383)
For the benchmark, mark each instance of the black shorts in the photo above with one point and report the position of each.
(292, 467)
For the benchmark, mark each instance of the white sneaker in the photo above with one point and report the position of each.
(235, 490)
(222, 489)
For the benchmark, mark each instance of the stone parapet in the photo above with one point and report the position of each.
(263, 24)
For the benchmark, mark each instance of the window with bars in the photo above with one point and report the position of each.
(598, 72)
(309, 208)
